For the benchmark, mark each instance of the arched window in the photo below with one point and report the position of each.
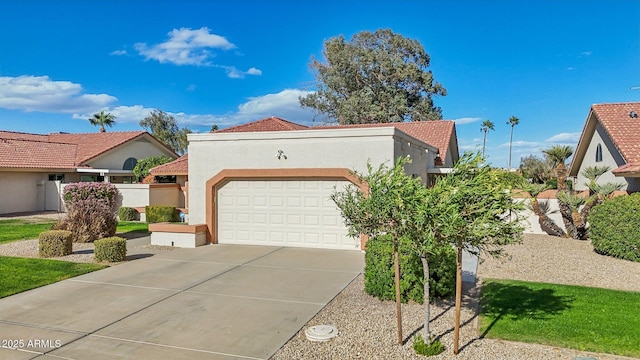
(129, 164)
(599, 153)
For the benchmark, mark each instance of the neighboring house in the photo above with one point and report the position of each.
(611, 137)
(269, 182)
(33, 166)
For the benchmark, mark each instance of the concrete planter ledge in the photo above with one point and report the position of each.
(178, 235)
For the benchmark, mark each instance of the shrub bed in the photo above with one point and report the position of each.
(91, 211)
(615, 227)
(55, 243)
(128, 214)
(379, 274)
(156, 214)
(112, 249)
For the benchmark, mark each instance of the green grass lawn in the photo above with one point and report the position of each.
(582, 318)
(12, 230)
(22, 229)
(22, 274)
(132, 226)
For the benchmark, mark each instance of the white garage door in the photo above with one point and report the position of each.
(283, 213)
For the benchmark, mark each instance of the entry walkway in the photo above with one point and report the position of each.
(212, 302)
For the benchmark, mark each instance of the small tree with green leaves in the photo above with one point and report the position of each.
(392, 204)
(142, 168)
(474, 211)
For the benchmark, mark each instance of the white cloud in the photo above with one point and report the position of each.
(254, 71)
(40, 93)
(118, 52)
(185, 47)
(586, 53)
(466, 120)
(565, 138)
(523, 144)
(234, 73)
(191, 87)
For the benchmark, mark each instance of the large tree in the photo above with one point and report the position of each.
(375, 77)
(102, 119)
(165, 128)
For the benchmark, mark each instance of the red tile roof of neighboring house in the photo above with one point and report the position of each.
(58, 150)
(21, 153)
(623, 129)
(91, 145)
(621, 121)
(179, 166)
(267, 124)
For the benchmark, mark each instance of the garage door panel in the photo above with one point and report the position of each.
(281, 212)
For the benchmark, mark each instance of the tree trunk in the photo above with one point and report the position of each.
(566, 211)
(561, 173)
(547, 225)
(427, 313)
(396, 266)
(456, 332)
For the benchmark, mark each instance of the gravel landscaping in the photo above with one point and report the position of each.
(367, 326)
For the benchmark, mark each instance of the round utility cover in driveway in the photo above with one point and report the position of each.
(282, 213)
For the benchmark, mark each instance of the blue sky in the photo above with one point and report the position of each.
(231, 62)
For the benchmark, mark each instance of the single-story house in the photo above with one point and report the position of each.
(611, 137)
(269, 182)
(33, 166)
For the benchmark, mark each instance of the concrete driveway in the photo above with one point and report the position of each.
(212, 302)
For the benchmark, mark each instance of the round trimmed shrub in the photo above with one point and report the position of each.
(614, 227)
(128, 214)
(111, 249)
(55, 243)
(379, 280)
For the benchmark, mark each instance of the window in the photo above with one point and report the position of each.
(599, 153)
(91, 178)
(56, 177)
(130, 163)
(129, 180)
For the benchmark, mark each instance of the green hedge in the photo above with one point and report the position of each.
(128, 214)
(55, 243)
(379, 274)
(112, 249)
(156, 214)
(614, 227)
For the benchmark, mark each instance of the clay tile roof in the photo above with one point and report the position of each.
(91, 145)
(58, 150)
(30, 153)
(179, 166)
(623, 129)
(435, 133)
(267, 124)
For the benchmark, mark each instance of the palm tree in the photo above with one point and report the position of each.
(558, 154)
(486, 126)
(513, 121)
(102, 119)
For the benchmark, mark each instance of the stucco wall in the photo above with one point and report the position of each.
(344, 148)
(610, 157)
(138, 149)
(140, 195)
(20, 192)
